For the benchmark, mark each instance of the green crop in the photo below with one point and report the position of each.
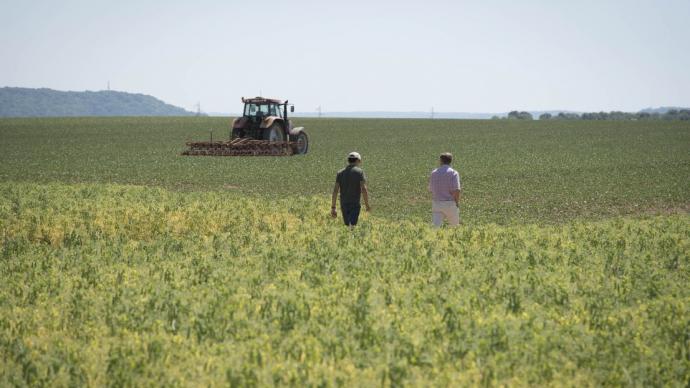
(513, 171)
(136, 286)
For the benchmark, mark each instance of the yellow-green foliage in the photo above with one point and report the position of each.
(125, 285)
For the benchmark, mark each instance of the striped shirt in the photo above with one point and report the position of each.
(443, 182)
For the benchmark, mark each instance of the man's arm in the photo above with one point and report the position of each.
(457, 193)
(334, 198)
(456, 197)
(365, 195)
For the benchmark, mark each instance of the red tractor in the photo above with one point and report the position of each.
(263, 129)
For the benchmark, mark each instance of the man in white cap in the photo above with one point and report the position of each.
(446, 190)
(351, 183)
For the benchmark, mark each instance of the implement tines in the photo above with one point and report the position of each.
(239, 147)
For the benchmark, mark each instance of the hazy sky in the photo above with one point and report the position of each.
(468, 56)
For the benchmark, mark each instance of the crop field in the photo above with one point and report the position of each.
(125, 264)
(544, 172)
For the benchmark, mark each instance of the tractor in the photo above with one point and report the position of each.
(267, 119)
(263, 129)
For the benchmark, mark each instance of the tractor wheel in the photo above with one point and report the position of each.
(236, 133)
(302, 145)
(274, 133)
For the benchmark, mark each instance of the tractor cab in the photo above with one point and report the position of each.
(252, 109)
(265, 107)
(262, 112)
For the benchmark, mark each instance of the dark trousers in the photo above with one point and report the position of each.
(350, 213)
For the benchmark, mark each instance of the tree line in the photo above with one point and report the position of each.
(672, 114)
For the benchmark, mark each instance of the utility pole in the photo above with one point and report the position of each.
(108, 85)
(198, 110)
(318, 111)
(432, 112)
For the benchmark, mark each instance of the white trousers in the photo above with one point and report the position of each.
(448, 210)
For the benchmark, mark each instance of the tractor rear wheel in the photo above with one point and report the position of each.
(302, 144)
(274, 133)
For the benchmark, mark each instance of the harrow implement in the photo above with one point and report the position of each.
(240, 147)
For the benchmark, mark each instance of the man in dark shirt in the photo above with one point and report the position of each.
(351, 182)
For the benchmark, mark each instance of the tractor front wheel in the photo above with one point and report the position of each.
(302, 144)
(274, 133)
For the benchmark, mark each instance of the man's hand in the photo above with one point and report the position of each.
(456, 197)
(334, 198)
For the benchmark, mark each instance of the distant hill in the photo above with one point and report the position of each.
(25, 102)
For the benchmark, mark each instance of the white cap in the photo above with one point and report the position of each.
(354, 155)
